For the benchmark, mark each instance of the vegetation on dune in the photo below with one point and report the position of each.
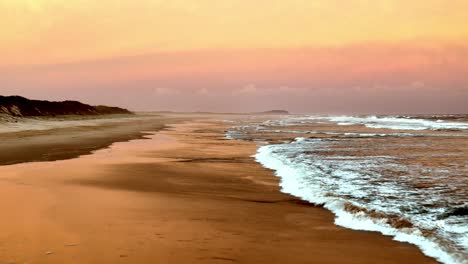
(22, 107)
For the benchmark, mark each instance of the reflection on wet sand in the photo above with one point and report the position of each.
(184, 195)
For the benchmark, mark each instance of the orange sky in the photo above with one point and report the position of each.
(108, 45)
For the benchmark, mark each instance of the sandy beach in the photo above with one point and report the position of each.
(250, 132)
(184, 194)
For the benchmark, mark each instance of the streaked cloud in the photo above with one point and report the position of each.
(51, 31)
(232, 55)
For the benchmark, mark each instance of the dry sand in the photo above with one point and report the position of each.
(187, 195)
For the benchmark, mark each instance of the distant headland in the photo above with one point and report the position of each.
(22, 107)
(275, 112)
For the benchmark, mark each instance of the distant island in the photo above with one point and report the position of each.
(22, 107)
(275, 112)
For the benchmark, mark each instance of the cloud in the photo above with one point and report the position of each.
(418, 84)
(202, 91)
(291, 90)
(248, 89)
(252, 89)
(165, 91)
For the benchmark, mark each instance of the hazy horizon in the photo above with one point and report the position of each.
(337, 57)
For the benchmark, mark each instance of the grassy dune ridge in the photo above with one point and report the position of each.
(22, 107)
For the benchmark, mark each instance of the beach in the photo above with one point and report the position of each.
(170, 189)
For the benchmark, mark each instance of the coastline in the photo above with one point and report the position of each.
(69, 137)
(190, 196)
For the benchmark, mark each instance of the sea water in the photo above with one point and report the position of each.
(405, 177)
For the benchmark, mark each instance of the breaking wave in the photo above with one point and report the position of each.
(410, 184)
(362, 198)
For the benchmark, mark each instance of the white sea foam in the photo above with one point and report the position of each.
(397, 123)
(333, 171)
(384, 122)
(297, 179)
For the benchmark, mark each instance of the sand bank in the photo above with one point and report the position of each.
(48, 140)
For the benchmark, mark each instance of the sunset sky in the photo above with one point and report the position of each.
(323, 56)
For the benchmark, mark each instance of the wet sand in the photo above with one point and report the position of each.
(71, 142)
(186, 195)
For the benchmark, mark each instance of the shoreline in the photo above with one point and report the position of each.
(176, 204)
(43, 143)
(344, 218)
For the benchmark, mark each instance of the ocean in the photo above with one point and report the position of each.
(402, 176)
